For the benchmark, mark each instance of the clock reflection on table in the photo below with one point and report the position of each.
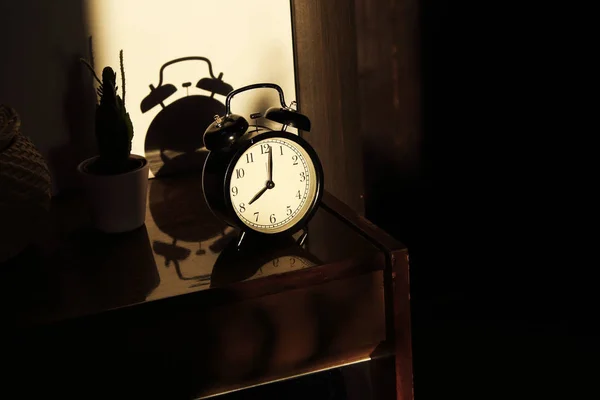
(260, 257)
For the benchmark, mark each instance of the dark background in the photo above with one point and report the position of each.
(504, 300)
(455, 127)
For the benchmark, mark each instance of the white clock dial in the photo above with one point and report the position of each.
(271, 200)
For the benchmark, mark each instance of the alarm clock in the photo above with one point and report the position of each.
(262, 181)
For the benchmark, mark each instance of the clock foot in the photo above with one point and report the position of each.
(302, 237)
(241, 239)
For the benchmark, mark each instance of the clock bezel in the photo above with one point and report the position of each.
(244, 143)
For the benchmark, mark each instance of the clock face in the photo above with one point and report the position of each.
(273, 185)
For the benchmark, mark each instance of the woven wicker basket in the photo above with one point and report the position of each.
(24, 186)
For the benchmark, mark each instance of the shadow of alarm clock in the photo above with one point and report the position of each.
(173, 137)
(262, 181)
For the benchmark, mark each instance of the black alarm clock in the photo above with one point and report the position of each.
(262, 181)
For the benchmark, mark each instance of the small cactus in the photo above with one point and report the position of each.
(114, 130)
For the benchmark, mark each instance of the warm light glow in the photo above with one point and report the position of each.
(249, 41)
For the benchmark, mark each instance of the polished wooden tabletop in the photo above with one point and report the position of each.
(227, 318)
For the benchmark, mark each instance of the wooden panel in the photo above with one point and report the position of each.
(190, 347)
(362, 225)
(389, 96)
(318, 328)
(327, 85)
(402, 325)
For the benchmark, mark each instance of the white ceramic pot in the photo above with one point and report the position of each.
(117, 202)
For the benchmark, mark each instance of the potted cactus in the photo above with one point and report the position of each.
(115, 180)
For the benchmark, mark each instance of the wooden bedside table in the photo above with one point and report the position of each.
(174, 310)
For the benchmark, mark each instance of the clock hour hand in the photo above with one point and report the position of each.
(262, 191)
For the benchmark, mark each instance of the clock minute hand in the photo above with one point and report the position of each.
(262, 191)
(270, 165)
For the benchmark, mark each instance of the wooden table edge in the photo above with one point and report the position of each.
(397, 291)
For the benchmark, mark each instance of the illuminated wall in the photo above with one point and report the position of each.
(247, 41)
(40, 75)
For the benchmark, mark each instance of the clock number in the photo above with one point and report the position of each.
(234, 191)
(272, 218)
(265, 148)
(295, 159)
(281, 149)
(298, 195)
(239, 173)
(292, 262)
(288, 211)
(302, 176)
(276, 262)
(249, 158)
(256, 213)
(242, 207)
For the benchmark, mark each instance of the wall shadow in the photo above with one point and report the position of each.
(40, 79)
(175, 135)
(174, 145)
(78, 111)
